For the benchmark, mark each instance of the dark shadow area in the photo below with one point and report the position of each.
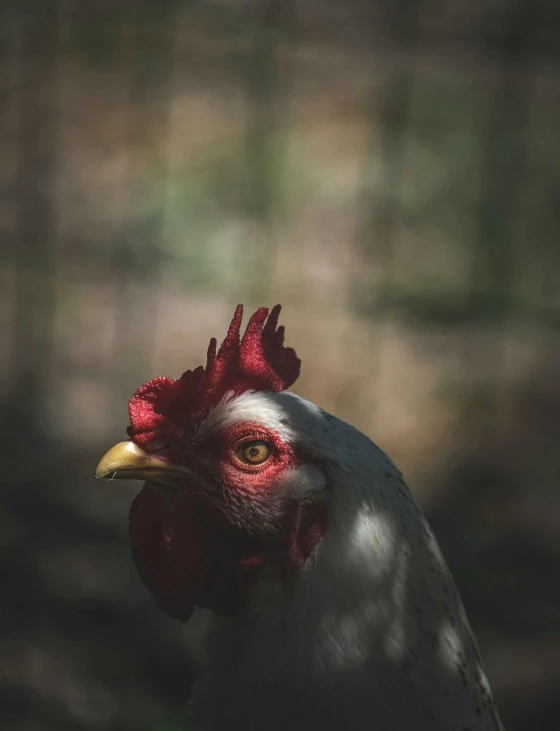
(498, 522)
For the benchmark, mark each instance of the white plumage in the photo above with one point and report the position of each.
(372, 632)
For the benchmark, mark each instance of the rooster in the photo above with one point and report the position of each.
(333, 606)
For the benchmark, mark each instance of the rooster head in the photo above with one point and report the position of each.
(230, 489)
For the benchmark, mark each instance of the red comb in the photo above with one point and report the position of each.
(164, 408)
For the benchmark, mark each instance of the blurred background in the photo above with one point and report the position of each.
(389, 172)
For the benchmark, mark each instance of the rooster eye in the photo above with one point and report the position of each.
(254, 452)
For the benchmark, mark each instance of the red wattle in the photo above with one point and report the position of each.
(149, 515)
(188, 554)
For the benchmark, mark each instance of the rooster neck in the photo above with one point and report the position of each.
(371, 628)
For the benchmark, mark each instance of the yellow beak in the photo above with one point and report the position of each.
(126, 461)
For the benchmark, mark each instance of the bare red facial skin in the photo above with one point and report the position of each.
(187, 551)
(254, 480)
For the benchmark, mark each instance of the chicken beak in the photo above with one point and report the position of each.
(126, 461)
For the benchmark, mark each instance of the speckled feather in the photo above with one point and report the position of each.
(372, 634)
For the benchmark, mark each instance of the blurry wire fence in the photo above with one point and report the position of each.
(389, 171)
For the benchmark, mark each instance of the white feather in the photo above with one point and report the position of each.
(372, 634)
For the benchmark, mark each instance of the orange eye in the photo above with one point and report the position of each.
(255, 452)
